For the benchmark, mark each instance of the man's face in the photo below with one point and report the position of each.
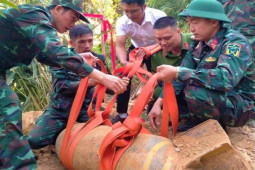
(134, 12)
(64, 20)
(168, 37)
(83, 43)
(202, 29)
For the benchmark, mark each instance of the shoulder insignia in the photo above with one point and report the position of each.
(233, 49)
(210, 59)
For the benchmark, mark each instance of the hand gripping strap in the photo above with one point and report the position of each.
(136, 61)
(150, 50)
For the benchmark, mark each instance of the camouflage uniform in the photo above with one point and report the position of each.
(24, 35)
(55, 117)
(220, 79)
(242, 14)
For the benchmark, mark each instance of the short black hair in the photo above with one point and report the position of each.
(139, 2)
(79, 30)
(164, 22)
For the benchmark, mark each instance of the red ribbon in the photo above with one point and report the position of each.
(106, 27)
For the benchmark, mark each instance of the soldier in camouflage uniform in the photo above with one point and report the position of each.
(65, 84)
(218, 70)
(242, 15)
(25, 34)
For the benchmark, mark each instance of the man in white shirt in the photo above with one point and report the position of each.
(136, 24)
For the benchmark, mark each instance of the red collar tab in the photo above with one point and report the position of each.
(214, 43)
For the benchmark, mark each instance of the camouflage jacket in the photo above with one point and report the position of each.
(242, 14)
(65, 85)
(224, 64)
(29, 33)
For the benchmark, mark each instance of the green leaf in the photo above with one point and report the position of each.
(10, 78)
(2, 14)
(10, 4)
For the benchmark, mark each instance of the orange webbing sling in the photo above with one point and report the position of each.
(169, 102)
(117, 141)
(71, 139)
(170, 108)
(75, 110)
(98, 117)
(122, 136)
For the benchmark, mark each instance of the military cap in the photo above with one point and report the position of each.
(75, 5)
(211, 9)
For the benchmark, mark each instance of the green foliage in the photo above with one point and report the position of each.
(31, 2)
(32, 85)
(172, 8)
(5, 4)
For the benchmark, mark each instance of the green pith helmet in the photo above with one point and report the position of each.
(75, 5)
(211, 9)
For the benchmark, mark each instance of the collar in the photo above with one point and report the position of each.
(185, 41)
(213, 42)
(50, 15)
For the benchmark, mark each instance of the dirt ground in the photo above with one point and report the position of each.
(242, 139)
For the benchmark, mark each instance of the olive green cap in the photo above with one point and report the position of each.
(211, 9)
(75, 5)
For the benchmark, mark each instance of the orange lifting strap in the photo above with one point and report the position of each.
(121, 137)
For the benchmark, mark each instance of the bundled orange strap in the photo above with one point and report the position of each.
(122, 136)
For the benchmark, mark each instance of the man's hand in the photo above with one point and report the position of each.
(167, 73)
(125, 80)
(155, 114)
(92, 82)
(114, 83)
(139, 53)
(89, 57)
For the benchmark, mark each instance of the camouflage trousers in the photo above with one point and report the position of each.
(50, 124)
(230, 109)
(15, 152)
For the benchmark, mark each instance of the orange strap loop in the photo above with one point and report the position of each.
(170, 108)
(75, 110)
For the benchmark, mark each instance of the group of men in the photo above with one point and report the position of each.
(213, 73)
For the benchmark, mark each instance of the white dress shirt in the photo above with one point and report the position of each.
(141, 35)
